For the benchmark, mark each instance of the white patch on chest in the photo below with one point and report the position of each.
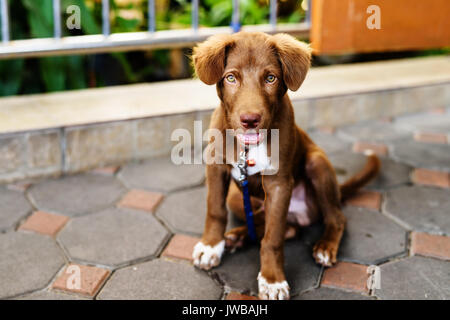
(257, 153)
(298, 211)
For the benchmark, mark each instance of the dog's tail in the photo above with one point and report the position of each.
(363, 177)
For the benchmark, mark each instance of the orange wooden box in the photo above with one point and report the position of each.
(340, 26)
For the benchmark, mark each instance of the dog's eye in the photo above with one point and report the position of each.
(270, 78)
(230, 78)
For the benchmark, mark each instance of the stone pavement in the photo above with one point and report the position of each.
(128, 232)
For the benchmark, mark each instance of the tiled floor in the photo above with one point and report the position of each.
(129, 231)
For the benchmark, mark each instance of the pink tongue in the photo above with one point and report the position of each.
(249, 138)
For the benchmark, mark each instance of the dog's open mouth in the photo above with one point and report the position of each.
(250, 137)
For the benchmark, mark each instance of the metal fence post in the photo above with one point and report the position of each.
(5, 20)
(194, 9)
(105, 16)
(151, 16)
(308, 13)
(235, 20)
(56, 19)
(273, 13)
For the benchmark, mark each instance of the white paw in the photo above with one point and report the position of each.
(205, 257)
(324, 258)
(272, 291)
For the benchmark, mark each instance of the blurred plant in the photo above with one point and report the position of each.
(34, 19)
(10, 76)
(218, 12)
(56, 73)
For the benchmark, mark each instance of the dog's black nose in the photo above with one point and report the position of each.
(250, 120)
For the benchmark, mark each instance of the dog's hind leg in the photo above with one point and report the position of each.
(327, 197)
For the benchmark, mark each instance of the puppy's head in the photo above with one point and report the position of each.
(253, 72)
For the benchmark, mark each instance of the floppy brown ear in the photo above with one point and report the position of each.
(209, 58)
(295, 58)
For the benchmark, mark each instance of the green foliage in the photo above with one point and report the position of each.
(218, 12)
(55, 73)
(434, 52)
(10, 76)
(121, 24)
(34, 19)
(39, 17)
(58, 73)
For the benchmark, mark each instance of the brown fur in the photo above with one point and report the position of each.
(250, 57)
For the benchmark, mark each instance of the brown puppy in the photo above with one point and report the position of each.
(252, 72)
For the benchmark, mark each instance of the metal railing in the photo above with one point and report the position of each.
(152, 39)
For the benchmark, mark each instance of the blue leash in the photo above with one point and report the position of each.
(247, 204)
(248, 211)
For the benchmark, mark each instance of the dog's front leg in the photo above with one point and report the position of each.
(272, 282)
(208, 252)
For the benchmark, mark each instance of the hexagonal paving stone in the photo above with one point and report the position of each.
(370, 237)
(420, 208)
(426, 122)
(14, 206)
(160, 174)
(240, 269)
(331, 294)
(185, 211)
(329, 142)
(422, 155)
(113, 237)
(392, 173)
(415, 278)
(28, 262)
(75, 195)
(372, 131)
(162, 280)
